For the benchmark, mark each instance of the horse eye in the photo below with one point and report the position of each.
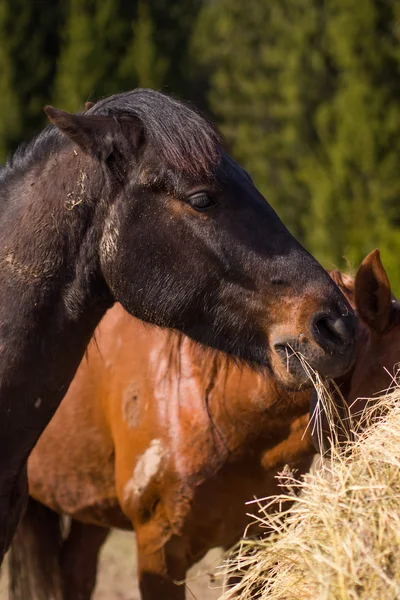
(201, 201)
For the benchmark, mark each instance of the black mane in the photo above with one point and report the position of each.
(183, 139)
(28, 153)
(180, 136)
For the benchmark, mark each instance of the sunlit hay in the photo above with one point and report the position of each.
(340, 539)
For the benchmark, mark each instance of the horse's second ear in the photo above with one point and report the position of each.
(373, 297)
(97, 135)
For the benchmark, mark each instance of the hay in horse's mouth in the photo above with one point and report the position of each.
(290, 358)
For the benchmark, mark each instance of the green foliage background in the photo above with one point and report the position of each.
(306, 93)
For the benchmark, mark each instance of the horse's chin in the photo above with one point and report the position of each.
(292, 380)
(290, 372)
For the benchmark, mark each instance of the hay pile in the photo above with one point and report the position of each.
(341, 538)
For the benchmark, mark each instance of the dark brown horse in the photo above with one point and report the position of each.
(159, 436)
(136, 201)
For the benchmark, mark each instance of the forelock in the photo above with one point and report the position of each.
(176, 133)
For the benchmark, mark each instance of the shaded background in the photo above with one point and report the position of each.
(306, 92)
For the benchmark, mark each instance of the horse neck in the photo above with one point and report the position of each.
(236, 410)
(251, 410)
(52, 294)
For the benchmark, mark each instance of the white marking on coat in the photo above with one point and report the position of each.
(38, 403)
(146, 467)
(109, 239)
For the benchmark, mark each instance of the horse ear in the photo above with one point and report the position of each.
(96, 134)
(88, 105)
(373, 297)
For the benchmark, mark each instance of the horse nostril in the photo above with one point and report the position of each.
(339, 328)
(331, 332)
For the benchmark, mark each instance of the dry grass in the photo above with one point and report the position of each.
(340, 540)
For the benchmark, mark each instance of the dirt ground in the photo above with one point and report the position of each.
(117, 575)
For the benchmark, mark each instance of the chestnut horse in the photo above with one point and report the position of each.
(377, 348)
(157, 436)
(135, 201)
(378, 344)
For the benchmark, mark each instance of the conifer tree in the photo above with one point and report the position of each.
(9, 106)
(353, 175)
(79, 68)
(141, 66)
(28, 52)
(174, 22)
